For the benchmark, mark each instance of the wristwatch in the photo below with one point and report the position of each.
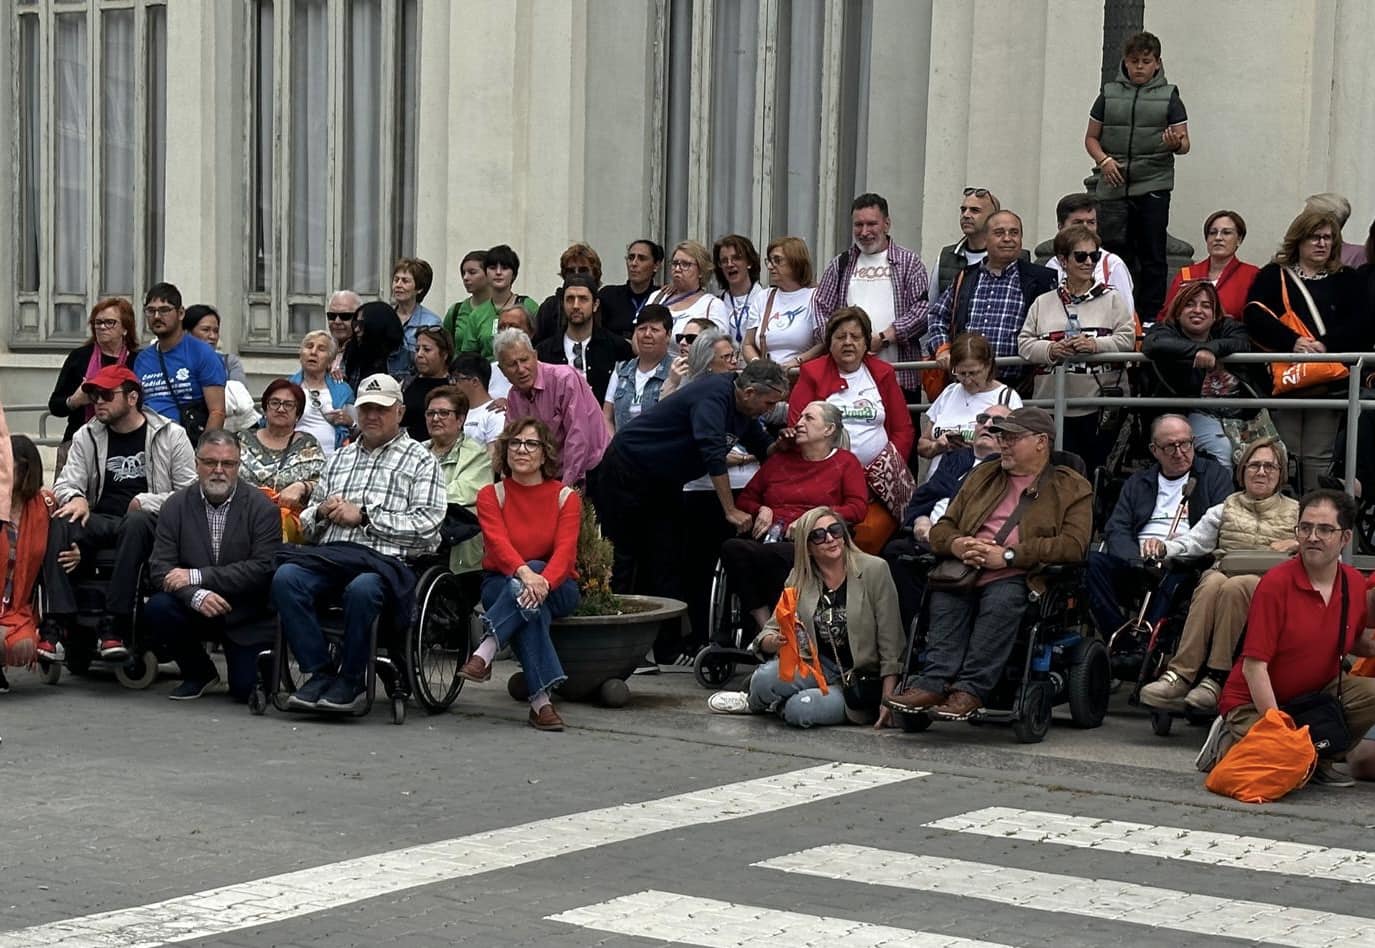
(1009, 555)
(363, 518)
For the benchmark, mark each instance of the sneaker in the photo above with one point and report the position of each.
(1203, 696)
(50, 636)
(680, 665)
(113, 650)
(190, 689)
(306, 697)
(1327, 775)
(729, 702)
(647, 667)
(1165, 692)
(343, 695)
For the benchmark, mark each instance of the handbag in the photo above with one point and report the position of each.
(1242, 431)
(1290, 377)
(889, 477)
(1274, 758)
(1320, 712)
(953, 575)
(1249, 562)
(862, 693)
(194, 415)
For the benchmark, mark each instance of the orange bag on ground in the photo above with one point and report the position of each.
(877, 527)
(1365, 668)
(1273, 759)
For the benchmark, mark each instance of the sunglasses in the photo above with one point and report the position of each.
(976, 192)
(338, 317)
(102, 394)
(820, 534)
(688, 337)
(1085, 256)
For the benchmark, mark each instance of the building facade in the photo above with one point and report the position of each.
(259, 153)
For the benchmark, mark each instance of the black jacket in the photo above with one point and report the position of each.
(604, 350)
(1136, 503)
(69, 379)
(1172, 354)
(248, 550)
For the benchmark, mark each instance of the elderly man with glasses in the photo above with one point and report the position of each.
(1161, 500)
(1009, 521)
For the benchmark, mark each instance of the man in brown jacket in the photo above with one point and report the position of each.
(1050, 509)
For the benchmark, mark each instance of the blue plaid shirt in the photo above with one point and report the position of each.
(996, 310)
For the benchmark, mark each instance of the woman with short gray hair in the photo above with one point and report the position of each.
(328, 413)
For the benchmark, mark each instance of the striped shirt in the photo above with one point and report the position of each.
(398, 484)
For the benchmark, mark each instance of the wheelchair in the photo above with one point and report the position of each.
(732, 631)
(81, 646)
(1056, 659)
(416, 660)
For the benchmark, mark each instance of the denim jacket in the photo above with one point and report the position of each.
(625, 388)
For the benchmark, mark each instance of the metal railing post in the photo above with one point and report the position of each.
(1059, 408)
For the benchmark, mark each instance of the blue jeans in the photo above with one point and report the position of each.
(184, 631)
(799, 702)
(1107, 578)
(295, 592)
(970, 637)
(529, 638)
(1210, 438)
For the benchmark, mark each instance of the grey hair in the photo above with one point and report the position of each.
(321, 334)
(763, 373)
(1155, 425)
(348, 296)
(701, 352)
(218, 436)
(1329, 202)
(510, 339)
(831, 415)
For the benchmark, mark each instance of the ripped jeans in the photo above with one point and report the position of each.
(799, 702)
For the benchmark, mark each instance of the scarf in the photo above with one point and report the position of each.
(94, 365)
(18, 623)
(791, 656)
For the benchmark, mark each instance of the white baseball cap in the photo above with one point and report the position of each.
(380, 389)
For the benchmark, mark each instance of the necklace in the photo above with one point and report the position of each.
(1297, 270)
(682, 296)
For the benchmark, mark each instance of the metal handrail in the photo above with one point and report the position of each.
(43, 415)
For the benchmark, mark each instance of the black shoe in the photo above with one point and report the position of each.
(4, 683)
(306, 697)
(190, 690)
(344, 696)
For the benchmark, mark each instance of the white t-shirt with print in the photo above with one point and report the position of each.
(956, 408)
(742, 312)
(1168, 493)
(789, 331)
(483, 424)
(641, 380)
(871, 288)
(314, 422)
(707, 307)
(861, 408)
(572, 356)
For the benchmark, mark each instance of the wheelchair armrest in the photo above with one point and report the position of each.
(922, 561)
(1062, 572)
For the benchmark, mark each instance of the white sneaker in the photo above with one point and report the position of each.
(1203, 696)
(729, 702)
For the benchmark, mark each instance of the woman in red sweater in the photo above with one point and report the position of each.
(530, 531)
(821, 472)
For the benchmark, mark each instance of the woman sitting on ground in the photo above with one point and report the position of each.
(278, 459)
(820, 472)
(1257, 517)
(838, 614)
(530, 525)
(23, 542)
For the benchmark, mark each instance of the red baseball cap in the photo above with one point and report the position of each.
(109, 378)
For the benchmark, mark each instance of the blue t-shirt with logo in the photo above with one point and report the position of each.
(193, 365)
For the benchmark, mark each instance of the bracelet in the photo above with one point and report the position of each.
(1106, 159)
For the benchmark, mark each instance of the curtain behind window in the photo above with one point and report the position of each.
(734, 61)
(362, 208)
(117, 152)
(309, 137)
(30, 103)
(72, 184)
(157, 143)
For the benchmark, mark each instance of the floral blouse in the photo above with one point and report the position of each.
(301, 460)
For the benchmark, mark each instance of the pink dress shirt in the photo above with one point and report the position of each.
(562, 399)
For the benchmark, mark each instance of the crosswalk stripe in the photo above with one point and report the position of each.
(1103, 899)
(1255, 853)
(306, 891)
(687, 920)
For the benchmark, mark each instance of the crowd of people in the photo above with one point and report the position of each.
(709, 418)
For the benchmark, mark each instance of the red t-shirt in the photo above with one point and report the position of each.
(790, 485)
(530, 526)
(1290, 629)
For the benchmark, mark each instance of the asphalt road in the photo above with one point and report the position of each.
(131, 820)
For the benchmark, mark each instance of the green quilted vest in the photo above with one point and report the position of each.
(1134, 117)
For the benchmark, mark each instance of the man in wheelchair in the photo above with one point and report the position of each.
(378, 500)
(124, 464)
(1009, 520)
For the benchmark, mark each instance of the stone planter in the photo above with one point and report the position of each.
(599, 653)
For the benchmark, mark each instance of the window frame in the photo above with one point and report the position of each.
(35, 315)
(268, 311)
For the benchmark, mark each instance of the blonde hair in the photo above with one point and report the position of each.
(805, 577)
(701, 256)
(1305, 226)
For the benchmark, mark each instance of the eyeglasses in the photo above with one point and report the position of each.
(585, 271)
(158, 310)
(1323, 531)
(968, 375)
(1320, 238)
(102, 395)
(524, 445)
(104, 323)
(777, 259)
(1175, 447)
(1010, 437)
(217, 465)
(976, 192)
(1086, 256)
(440, 413)
(338, 317)
(1262, 467)
(1221, 232)
(688, 337)
(983, 418)
(282, 404)
(683, 264)
(820, 534)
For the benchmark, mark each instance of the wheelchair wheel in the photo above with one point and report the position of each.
(398, 709)
(711, 670)
(51, 672)
(1161, 722)
(437, 644)
(140, 671)
(1034, 719)
(1089, 681)
(913, 723)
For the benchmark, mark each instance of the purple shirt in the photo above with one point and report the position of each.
(562, 399)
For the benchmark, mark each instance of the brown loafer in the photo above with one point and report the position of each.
(475, 669)
(958, 707)
(546, 719)
(914, 699)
